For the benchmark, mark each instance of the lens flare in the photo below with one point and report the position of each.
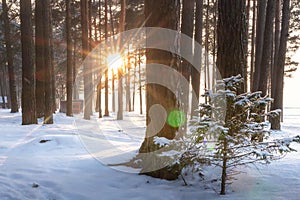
(114, 61)
(176, 118)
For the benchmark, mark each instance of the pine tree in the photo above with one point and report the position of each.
(28, 69)
(87, 78)
(164, 14)
(10, 59)
(231, 38)
(69, 60)
(39, 59)
(229, 134)
(279, 65)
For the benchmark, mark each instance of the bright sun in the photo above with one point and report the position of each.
(114, 61)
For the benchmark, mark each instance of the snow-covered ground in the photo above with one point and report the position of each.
(70, 160)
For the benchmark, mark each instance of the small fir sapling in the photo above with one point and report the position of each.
(238, 135)
(230, 131)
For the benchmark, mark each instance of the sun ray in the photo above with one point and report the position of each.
(114, 61)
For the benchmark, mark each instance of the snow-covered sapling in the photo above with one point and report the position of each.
(230, 128)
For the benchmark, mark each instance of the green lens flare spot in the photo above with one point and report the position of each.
(176, 118)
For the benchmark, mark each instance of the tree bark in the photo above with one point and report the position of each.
(164, 14)
(120, 83)
(232, 38)
(39, 59)
(10, 59)
(69, 60)
(87, 77)
(28, 69)
(128, 78)
(276, 46)
(279, 64)
(140, 83)
(2, 90)
(265, 65)
(253, 38)
(195, 74)
(106, 112)
(48, 118)
(260, 29)
(53, 84)
(187, 28)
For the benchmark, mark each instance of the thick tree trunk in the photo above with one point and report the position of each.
(164, 14)
(10, 59)
(28, 69)
(232, 37)
(280, 63)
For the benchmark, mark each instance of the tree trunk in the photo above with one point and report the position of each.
(279, 64)
(245, 70)
(74, 65)
(99, 98)
(276, 46)
(195, 74)
(232, 38)
(69, 60)
(253, 38)
(206, 52)
(224, 168)
(187, 28)
(113, 91)
(39, 59)
(10, 59)
(260, 29)
(28, 69)
(265, 65)
(120, 83)
(128, 77)
(214, 47)
(106, 112)
(53, 84)
(113, 73)
(87, 77)
(140, 84)
(2, 88)
(164, 14)
(134, 83)
(48, 118)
